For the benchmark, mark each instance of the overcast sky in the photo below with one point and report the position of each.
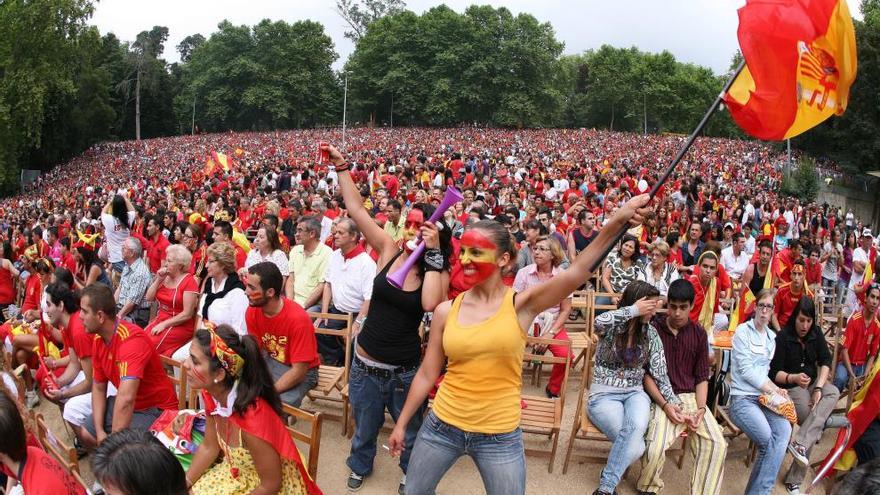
(697, 31)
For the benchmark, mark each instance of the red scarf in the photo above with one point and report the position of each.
(358, 249)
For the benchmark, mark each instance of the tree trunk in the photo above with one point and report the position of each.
(137, 106)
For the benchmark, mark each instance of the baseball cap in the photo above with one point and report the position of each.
(867, 233)
(728, 225)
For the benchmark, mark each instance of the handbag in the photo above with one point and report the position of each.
(780, 405)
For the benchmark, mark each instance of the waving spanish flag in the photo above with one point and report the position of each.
(745, 306)
(222, 160)
(864, 409)
(800, 63)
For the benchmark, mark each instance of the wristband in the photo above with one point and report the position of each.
(342, 168)
(433, 260)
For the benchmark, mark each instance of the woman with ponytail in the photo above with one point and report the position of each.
(243, 421)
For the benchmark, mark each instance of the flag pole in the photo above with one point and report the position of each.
(684, 149)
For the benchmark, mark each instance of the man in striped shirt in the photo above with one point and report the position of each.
(687, 362)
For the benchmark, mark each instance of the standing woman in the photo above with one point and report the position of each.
(753, 347)
(178, 294)
(388, 347)
(548, 256)
(117, 217)
(243, 421)
(481, 334)
(846, 266)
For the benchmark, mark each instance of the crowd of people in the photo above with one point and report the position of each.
(160, 248)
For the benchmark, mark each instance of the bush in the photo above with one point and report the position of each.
(803, 182)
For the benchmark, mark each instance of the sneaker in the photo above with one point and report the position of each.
(355, 482)
(31, 399)
(401, 488)
(646, 493)
(80, 450)
(799, 452)
(600, 492)
(793, 489)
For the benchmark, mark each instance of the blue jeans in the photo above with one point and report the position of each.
(500, 458)
(118, 266)
(370, 396)
(623, 417)
(770, 432)
(841, 376)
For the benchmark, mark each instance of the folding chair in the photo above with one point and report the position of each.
(56, 447)
(312, 438)
(541, 415)
(333, 379)
(582, 428)
(178, 378)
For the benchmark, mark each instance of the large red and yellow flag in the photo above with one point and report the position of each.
(222, 161)
(800, 63)
(864, 409)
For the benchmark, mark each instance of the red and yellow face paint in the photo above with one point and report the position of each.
(478, 257)
(414, 220)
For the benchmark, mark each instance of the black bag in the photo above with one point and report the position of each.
(718, 387)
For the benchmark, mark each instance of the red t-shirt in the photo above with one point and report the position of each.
(288, 337)
(33, 291)
(156, 252)
(785, 302)
(130, 355)
(69, 262)
(75, 336)
(42, 475)
(861, 339)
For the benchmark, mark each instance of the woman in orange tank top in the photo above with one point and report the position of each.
(481, 338)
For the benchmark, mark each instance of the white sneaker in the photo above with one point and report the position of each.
(792, 489)
(31, 399)
(401, 488)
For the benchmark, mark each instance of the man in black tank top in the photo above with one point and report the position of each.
(756, 274)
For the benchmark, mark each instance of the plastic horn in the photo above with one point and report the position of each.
(451, 197)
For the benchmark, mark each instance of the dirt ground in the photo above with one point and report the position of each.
(463, 478)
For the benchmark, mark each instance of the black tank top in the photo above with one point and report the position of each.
(391, 332)
(580, 241)
(757, 283)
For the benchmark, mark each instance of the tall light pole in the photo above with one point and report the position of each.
(194, 114)
(392, 110)
(344, 107)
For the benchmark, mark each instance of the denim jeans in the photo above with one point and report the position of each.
(770, 432)
(500, 458)
(623, 417)
(841, 376)
(370, 397)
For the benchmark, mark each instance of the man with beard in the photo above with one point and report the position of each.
(284, 332)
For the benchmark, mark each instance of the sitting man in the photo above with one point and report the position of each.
(133, 285)
(308, 265)
(860, 341)
(687, 361)
(802, 364)
(707, 295)
(348, 287)
(789, 294)
(122, 354)
(285, 334)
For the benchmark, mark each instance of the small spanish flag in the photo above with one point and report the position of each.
(800, 63)
(745, 306)
(863, 411)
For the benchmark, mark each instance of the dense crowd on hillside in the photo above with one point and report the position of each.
(213, 250)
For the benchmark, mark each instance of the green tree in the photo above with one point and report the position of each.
(188, 45)
(359, 14)
(274, 75)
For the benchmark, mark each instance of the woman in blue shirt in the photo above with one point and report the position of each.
(753, 347)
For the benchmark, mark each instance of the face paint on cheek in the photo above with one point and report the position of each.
(478, 257)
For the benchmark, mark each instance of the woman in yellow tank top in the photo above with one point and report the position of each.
(480, 333)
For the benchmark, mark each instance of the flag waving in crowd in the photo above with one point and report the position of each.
(800, 61)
